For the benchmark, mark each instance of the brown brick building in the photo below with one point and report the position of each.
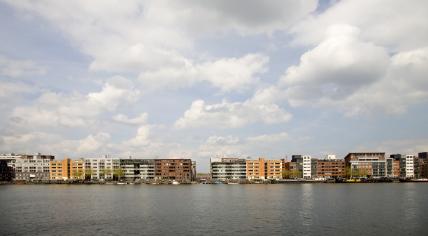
(330, 168)
(181, 170)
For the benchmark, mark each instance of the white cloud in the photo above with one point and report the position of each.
(36, 141)
(141, 138)
(138, 120)
(338, 67)
(220, 146)
(378, 66)
(268, 138)
(152, 38)
(93, 143)
(228, 74)
(73, 110)
(19, 68)
(231, 114)
(396, 24)
(220, 140)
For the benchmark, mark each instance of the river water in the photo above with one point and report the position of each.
(282, 209)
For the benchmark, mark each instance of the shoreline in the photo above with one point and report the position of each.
(205, 183)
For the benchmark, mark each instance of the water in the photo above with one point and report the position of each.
(287, 209)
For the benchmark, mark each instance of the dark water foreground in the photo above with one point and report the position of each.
(301, 209)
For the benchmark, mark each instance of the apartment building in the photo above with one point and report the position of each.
(105, 168)
(307, 167)
(407, 166)
(134, 169)
(181, 170)
(67, 169)
(77, 169)
(366, 164)
(228, 169)
(59, 170)
(330, 168)
(262, 169)
(393, 166)
(255, 169)
(274, 169)
(32, 167)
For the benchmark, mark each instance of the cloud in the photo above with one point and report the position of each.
(154, 38)
(220, 146)
(228, 74)
(242, 16)
(268, 138)
(220, 140)
(12, 89)
(231, 114)
(237, 147)
(397, 24)
(13, 68)
(93, 143)
(138, 120)
(73, 110)
(36, 141)
(338, 67)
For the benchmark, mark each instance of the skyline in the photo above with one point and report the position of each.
(191, 79)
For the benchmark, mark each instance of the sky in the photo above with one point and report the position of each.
(201, 79)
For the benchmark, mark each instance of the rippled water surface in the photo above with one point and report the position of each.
(287, 209)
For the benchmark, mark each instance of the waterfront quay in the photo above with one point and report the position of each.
(356, 167)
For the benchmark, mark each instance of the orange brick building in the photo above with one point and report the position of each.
(66, 169)
(59, 170)
(262, 169)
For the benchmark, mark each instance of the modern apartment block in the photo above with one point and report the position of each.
(32, 167)
(423, 165)
(274, 169)
(264, 169)
(181, 170)
(226, 169)
(59, 170)
(307, 167)
(67, 169)
(102, 168)
(138, 168)
(330, 168)
(255, 169)
(393, 166)
(77, 169)
(366, 164)
(407, 166)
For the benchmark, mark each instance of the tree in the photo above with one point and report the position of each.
(286, 174)
(296, 174)
(118, 173)
(88, 173)
(78, 174)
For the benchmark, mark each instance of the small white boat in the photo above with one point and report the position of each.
(175, 182)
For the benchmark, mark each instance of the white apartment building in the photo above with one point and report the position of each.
(307, 172)
(408, 166)
(29, 167)
(101, 168)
